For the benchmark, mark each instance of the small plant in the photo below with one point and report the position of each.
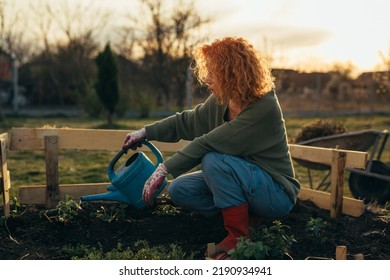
(166, 210)
(84, 252)
(315, 229)
(267, 243)
(112, 213)
(65, 211)
(145, 252)
(17, 210)
(142, 252)
(249, 250)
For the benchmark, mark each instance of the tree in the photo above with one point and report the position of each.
(61, 75)
(339, 87)
(67, 40)
(13, 42)
(64, 21)
(170, 36)
(13, 33)
(107, 86)
(382, 78)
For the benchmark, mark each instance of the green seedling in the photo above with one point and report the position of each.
(166, 210)
(111, 213)
(315, 229)
(142, 251)
(267, 243)
(65, 211)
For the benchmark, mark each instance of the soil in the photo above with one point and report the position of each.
(31, 236)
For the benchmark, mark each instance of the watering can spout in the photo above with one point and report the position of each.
(112, 195)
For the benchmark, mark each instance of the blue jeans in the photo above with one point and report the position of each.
(227, 181)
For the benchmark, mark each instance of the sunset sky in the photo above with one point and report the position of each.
(299, 34)
(304, 32)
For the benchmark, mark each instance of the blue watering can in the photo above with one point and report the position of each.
(127, 182)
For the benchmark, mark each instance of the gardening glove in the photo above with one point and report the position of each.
(133, 139)
(153, 184)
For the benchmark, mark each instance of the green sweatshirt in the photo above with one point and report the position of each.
(257, 134)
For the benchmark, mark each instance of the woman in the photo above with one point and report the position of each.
(238, 136)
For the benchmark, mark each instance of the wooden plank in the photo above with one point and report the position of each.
(79, 139)
(112, 140)
(341, 253)
(352, 207)
(5, 180)
(36, 194)
(325, 155)
(210, 251)
(358, 257)
(4, 136)
(52, 180)
(337, 182)
(32, 195)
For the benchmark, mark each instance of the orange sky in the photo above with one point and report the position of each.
(308, 32)
(300, 34)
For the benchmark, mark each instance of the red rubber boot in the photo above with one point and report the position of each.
(236, 222)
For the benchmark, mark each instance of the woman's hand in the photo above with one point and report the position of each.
(133, 139)
(153, 184)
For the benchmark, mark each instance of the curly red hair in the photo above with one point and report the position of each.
(239, 71)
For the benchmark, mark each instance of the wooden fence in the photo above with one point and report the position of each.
(51, 140)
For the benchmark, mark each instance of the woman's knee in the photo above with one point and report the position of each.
(210, 162)
(174, 190)
(187, 186)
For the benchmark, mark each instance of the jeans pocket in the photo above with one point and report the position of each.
(256, 179)
(265, 196)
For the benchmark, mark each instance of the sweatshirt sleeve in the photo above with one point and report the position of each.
(239, 137)
(182, 126)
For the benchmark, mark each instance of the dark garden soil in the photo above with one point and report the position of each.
(30, 236)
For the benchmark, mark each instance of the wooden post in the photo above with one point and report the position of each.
(341, 252)
(5, 183)
(337, 182)
(211, 250)
(52, 181)
(358, 257)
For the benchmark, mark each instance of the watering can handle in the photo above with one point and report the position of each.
(156, 152)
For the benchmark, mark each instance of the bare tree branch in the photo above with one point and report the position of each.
(12, 38)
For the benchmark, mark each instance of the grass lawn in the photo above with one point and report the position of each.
(28, 167)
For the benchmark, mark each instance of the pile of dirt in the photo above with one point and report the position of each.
(33, 236)
(319, 128)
